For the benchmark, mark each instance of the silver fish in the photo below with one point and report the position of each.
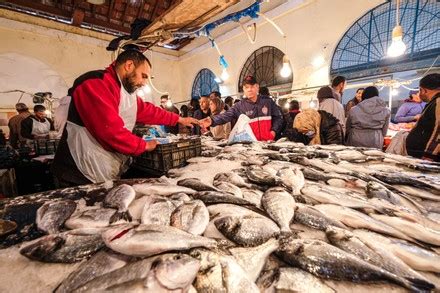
(292, 178)
(196, 184)
(221, 273)
(247, 230)
(413, 230)
(375, 189)
(233, 178)
(411, 254)
(100, 264)
(359, 220)
(313, 218)
(52, 215)
(148, 240)
(229, 188)
(252, 195)
(66, 247)
(214, 197)
(280, 206)
(90, 218)
(417, 192)
(164, 189)
(260, 176)
(157, 211)
(192, 217)
(252, 259)
(326, 261)
(120, 198)
(167, 274)
(377, 256)
(297, 280)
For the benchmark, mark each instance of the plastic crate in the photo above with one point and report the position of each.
(45, 146)
(168, 156)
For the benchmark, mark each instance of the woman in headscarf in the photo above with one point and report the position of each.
(216, 106)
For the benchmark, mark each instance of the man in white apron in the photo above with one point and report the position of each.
(98, 140)
(38, 125)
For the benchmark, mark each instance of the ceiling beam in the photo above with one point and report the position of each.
(153, 12)
(141, 9)
(59, 12)
(110, 10)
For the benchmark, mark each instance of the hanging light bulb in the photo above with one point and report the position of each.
(312, 104)
(285, 71)
(394, 92)
(397, 47)
(287, 105)
(146, 88)
(225, 75)
(218, 79)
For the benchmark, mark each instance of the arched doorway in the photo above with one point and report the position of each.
(204, 84)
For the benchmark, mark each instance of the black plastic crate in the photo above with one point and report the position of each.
(168, 156)
(45, 146)
(8, 157)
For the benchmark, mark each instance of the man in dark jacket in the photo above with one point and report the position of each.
(37, 125)
(424, 139)
(266, 118)
(15, 124)
(202, 113)
(289, 117)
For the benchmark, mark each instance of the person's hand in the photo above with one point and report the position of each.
(151, 145)
(417, 117)
(205, 123)
(273, 134)
(187, 121)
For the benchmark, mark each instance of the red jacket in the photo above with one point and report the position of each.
(102, 94)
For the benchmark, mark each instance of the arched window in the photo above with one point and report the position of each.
(362, 50)
(204, 84)
(265, 65)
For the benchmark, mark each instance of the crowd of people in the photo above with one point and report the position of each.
(362, 122)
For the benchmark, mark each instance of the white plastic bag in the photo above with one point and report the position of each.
(242, 131)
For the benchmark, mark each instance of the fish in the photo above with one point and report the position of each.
(7, 227)
(252, 195)
(229, 188)
(157, 211)
(167, 274)
(280, 206)
(148, 240)
(52, 215)
(431, 206)
(221, 273)
(325, 195)
(179, 198)
(247, 230)
(412, 229)
(120, 198)
(327, 167)
(413, 255)
(135, 270)
(99, 264)
(163, 189)
(233, 178)
(192, 217)
(401, 179)
(377, 256)
(351, 155)
(252, 259)
(417, 192)
(358, 220)
(260, 176)
(90, 218)
(377, 190)
(214, 197)
(329, 262)
(311, 217)
(297, 280)
(66, 247)
(195, 184)
(292, 178)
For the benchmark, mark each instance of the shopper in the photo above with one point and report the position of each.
(220, 131)
(411, 109)
(353, 102)
(328, 103)
(338, 86)
(14, 125)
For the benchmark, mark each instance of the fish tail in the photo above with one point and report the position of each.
(120, 216)
(419, 285)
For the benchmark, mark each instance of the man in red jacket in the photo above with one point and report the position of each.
(97, 139)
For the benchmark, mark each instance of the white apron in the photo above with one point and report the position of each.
(40, 129)
(94, 162)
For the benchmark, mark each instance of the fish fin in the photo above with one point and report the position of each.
(120, 216)
(420, 285)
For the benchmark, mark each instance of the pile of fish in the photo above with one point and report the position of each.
(260, 217)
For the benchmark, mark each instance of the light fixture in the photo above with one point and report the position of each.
(225, 75)
(218, 79)
(285, 71)
(318, 61)
(287, 105)
(147, 89)
(96, 2)
(169, 103)
(394, 92)
(397, 47)
(312, 104)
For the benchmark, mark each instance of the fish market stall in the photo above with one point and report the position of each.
(257, 217)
